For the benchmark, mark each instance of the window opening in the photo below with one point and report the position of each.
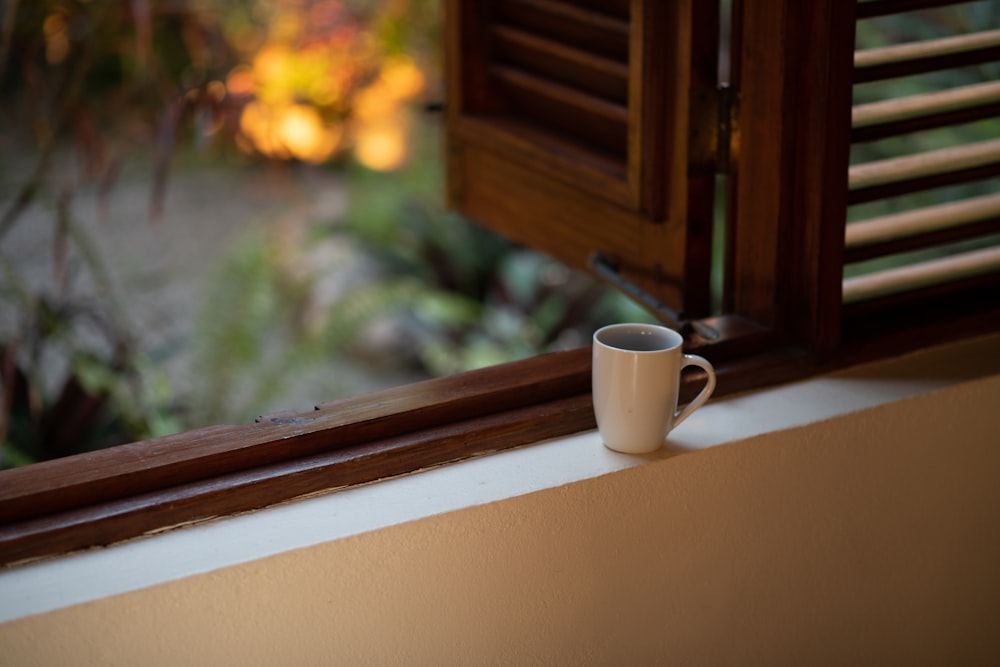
(720, 205)
(297, 250)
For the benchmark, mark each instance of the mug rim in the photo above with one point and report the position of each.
(639, 327)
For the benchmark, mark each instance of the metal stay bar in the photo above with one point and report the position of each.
(606, 268)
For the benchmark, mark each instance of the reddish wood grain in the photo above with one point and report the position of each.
(396, 447)
(783, 318)
(138, 514)
(792, 66)
(160, 463)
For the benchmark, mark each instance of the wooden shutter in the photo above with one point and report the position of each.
(570, 130)
(791, 69)
(925, 203)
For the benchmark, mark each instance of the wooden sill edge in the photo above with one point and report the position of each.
(413, 438)
(129, 517)
(118, 512)
(150, 465)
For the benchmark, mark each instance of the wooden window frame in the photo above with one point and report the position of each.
(785, 324)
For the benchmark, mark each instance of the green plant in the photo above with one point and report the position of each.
(72, 379)
(83, 80)
(481, 299)
(414, 288)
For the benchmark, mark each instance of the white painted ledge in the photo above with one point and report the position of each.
(53, 584)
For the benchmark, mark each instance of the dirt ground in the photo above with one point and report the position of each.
(161, 270)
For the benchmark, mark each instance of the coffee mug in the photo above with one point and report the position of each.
(636, 378)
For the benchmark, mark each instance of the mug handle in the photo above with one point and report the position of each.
(706, 392)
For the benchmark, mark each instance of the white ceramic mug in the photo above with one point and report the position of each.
(636, 378)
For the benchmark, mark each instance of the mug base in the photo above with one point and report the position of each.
(632, 448)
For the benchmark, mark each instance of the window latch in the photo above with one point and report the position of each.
(606, 268)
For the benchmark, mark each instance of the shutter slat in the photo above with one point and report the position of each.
(872, 8)
(945, 232)
(922, 274)
(562, 67)
(565, 110)
(569, 23)
(878, 120)
(903, 108)
(926, 56)
(931, 48)
(570, 97)
(589, 72)
(922, 221)
(568, 130)
(922, 228)
(912, 173)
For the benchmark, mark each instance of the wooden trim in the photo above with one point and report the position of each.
(392, 432)
(755, 192)
(653, 67)
(468, 88)
(160, 463)
(240, 491)
(406, 429)
(672, 158)
(535, 208)
(561, 160)
(788, 190)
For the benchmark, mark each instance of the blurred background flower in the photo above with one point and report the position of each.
(294, 247)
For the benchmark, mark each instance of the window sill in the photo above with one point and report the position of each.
(43, 586)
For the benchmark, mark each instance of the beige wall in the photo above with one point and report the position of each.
(872, 538)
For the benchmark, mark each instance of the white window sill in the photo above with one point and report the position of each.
(48, 585)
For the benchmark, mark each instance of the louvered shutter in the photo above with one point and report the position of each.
(569, 130)
(924, 217)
